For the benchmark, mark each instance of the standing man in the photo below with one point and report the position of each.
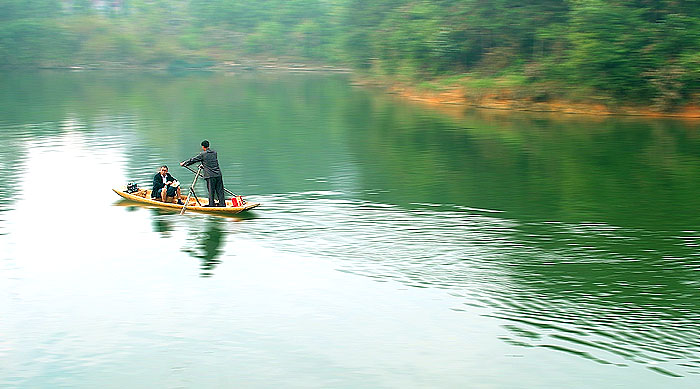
(212, 173)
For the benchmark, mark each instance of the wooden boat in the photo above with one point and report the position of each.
(144, 196)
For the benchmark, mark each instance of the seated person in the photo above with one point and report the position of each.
(163, 186)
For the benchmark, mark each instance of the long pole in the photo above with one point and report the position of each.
(196, 174)
(200, 166)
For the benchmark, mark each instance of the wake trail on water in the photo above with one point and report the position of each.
(612, 295)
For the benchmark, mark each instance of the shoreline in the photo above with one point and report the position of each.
(450, 96)
(456, 97)
(227, 66)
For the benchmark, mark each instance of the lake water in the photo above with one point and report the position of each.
(397, 245)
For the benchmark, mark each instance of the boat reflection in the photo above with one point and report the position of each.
(161, 222)
(131, 205)
(205, 240)
(207, 246)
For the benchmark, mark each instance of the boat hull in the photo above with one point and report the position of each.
(191, 206)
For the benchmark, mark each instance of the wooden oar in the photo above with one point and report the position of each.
(189, 194)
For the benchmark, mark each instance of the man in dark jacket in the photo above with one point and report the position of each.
(212, 173)
(163, 185)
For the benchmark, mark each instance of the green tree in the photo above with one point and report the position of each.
(606, 48)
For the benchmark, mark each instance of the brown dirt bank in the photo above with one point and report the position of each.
(503, 100)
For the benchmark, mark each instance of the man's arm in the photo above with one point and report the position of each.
(156, 181)
(195, 159)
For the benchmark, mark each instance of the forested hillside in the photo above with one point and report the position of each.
(618, 52)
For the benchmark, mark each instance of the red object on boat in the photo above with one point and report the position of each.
(237, 201)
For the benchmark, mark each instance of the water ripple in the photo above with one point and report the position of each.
(607, 294)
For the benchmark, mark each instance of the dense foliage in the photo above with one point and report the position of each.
(643, 51)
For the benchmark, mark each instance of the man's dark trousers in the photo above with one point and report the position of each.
(215, 185)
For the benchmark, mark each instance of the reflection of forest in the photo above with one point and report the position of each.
(622, 171)
(206, 246)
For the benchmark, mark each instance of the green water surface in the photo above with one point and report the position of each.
(397, 245)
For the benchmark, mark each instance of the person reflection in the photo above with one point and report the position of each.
(161, 223)
(207, 247)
